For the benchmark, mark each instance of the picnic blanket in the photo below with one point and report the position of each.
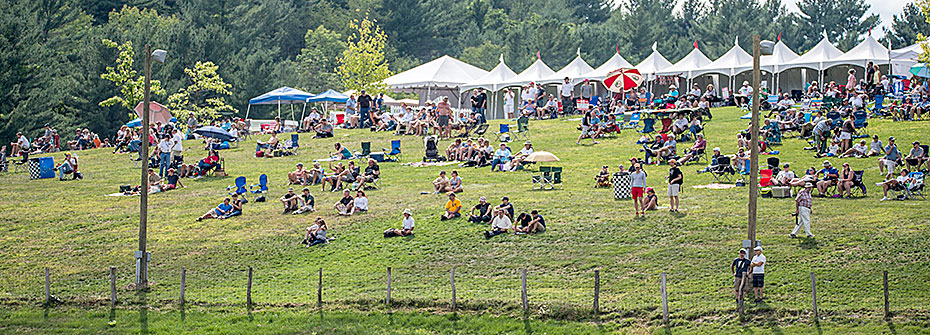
(118, 194)
(425, 164)
(715, 186)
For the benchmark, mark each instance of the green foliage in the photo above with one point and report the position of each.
(205, 97)
(924, 6)
(319, 58)
(131, 86)
(484, 56)
(362, 65)
(843, 20)
(906, 27)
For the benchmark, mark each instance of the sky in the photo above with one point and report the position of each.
(885, 9)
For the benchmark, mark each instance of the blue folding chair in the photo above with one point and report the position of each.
(395, 150)
(238, 188)
(772, 100)
(293, 145)
(261, 187)
(648, 126)
(504, 129)
(860, 120)
(634, 121)
(835, 116)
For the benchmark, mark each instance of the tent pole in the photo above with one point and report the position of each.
(292, 111)
(247, 109)
(302, 116)
(279, 108)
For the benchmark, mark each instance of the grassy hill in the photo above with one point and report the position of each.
(79, 233)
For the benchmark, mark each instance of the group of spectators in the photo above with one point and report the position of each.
(500, 218)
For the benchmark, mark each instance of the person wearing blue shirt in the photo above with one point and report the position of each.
(501, 156)
(218, 212)
(351, 112)
(892, 155)
(226, 125)
(830, 175)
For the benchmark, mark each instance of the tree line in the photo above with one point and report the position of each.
(60, 57)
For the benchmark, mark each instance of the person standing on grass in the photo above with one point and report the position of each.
(566, 91)
(453, 208)
(638, 183)
(482, 105)
(675, 179)
(364, 109)
(739, 267)
(164, 155)
(443, 114)
(802, 209)
(586, 128)
(758, 273)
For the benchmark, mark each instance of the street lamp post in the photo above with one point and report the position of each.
(142, 256)
(759, 48)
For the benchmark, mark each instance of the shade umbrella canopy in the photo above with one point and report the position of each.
(622, 80)
(157, 112)
(282, 96)
(575, 71)
(214, 132)
(615, 62)
(329, 96)
(920, 70)
(541, 156)
(137, 122)
(444, 71)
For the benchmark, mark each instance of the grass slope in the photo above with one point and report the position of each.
(79, 233)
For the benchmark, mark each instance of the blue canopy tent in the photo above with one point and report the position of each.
(137, 122)
(328, 96)
(280, 96)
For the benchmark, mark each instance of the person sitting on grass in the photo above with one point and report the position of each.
(699, 144)
(316, 234)
(236, 210)
(652, 200)
(520, 157)
(501, 156)
(340, 153)
(453, 208)
(830, 175)
(857, 150)
(484, 211)
(299, 176)
(875, 147)
(602, 179)
(172, 180)
(218, 212)
(372, 172)
(522, 223)
(306, 202)
(344, 205)
(68, 166)
(406, 228)
(290, 200)
(536, 224)
(506, 206)
(452, 152)
(441, 183)
(500, 224)
(324, 129)
(271, 144)
(359, 204)
(455, 183)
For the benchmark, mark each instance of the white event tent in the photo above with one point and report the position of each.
(615, 62)
(532, 74)
(729, 64)
(652, 64)
(440, 76)
(493, 82)
(575, 71)
(869, 50)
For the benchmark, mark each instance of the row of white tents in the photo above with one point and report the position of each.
(785, 69)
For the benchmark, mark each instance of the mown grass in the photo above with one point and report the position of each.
(79, 233)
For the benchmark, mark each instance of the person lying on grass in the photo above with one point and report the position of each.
(536, 224)
(453, 208)
(484, 211)
(236, 210)
(500, 224)
(316, 234)
(218, 212)
(306, 202)
(290, 200)
(344, 205)
(406, 228)
(602, 179)
(299, 176)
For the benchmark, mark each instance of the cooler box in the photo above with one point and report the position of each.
(781, 192)
(377, 156)
(622, 185)
(41, 168)
(582, 105)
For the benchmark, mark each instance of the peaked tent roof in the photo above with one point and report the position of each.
(815, 57)
(909, 52)
(692, 61)
(329, 96)
(615, 62)
(493, 80)
(728, 64)
(282, 95)
(575, 70)
(535, 72)
(781, 55)
(654, 63)
(444, 71)
(868, 50)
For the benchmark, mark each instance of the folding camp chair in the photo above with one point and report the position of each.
(238, 188)
(772, 163)
(540, 176)
(858, 187)
(835, 116)
(722, 171)
(634, 121)
(765, 177)
(22, 164)
(366, 150)
(648, 126)
(292, 146)
(395, 150)
(481, 129)
(916, 186)
(556, 178)
(260, 188)
(666, 125)
(523, 127)
(860, 121)
(504, 130)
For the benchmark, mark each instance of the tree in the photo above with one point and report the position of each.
(924, 57)
(362, 65)
(132, 87)
(843, 20)
(205, 97)
(319, 58)
(484, 56)
(905, 27)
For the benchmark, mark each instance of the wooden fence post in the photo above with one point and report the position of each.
(183, 284)
(526, 303)
(597, 291)
(664, 299)
(319, 291)
(814, 296)
(388, 300)
(885, 284)
(248, 291)
(452, 281)
(113, 285)
(48, 294)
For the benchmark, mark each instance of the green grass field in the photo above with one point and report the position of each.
(79, 233)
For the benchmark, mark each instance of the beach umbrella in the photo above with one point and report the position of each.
(622, 79)
(541, 156)
(921, 70)
(214, 132)
(157, 112)
(137, 122)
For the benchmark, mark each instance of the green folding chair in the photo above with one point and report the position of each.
(555, 178)
(366, 150)
(539, 177)
(523, 127)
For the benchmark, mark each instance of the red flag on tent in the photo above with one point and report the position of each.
(695, 44)
(618, 48)
(870, 31)
(779, 36)
(538, 56)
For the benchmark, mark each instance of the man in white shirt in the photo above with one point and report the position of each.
(500, 224)
(21, 144)
(745, 93)
(177, 147)
(857, 150)
(164, 154)
(566, 91)
(758, 273)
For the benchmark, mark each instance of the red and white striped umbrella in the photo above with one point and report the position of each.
(621, 80)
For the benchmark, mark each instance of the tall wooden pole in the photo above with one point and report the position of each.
(143, 278)
(754, 144)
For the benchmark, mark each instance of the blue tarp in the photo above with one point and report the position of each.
(138, 122)
(283, 95)
(329, 96)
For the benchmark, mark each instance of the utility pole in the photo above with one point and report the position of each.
(142, 257)
(754, 143)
